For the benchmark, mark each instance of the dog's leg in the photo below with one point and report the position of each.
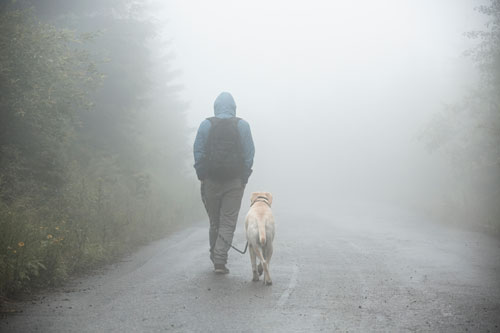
(267, 277)
(259, 266)
(268, 253)
(254, 263)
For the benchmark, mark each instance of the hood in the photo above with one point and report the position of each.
(224, 106)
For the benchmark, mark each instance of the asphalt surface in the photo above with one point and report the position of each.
(359, 269)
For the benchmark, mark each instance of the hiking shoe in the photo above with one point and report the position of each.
(220, 269)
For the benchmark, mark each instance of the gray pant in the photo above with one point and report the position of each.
(222, 201)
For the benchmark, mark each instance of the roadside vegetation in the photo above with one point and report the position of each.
(93, 140)
(467, 133)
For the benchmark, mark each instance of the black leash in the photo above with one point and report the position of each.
(218, 234)
(235, 248)
(266, 201)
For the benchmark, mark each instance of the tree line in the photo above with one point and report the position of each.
(93, 139)
(467, 133)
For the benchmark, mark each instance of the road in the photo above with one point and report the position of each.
(362, 268)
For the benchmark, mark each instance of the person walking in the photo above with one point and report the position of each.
(223, 159)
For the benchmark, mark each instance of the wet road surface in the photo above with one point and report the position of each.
(362, 268)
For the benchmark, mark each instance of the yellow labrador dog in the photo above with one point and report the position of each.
(259, 226)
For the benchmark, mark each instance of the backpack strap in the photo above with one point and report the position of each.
(214, 120)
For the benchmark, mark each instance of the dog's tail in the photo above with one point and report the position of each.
(260, 255)
(262, 233)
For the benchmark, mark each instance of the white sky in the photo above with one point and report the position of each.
(279, 49)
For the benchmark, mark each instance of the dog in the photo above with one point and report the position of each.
(259, 227)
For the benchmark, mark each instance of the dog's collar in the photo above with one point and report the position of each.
(263, 199)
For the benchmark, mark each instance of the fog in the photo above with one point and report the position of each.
(337, 93)
(376, 128)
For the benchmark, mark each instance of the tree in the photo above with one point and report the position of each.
(93, 150)
(468, 132)
(45, 82)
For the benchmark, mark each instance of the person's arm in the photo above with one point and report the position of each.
(248, 148)
(199, 149)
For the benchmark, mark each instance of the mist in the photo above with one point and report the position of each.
(375, 126)
(337, 94)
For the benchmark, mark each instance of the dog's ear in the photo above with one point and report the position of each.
(269, 197)
(253, 197)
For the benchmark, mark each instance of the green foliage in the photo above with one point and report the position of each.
(93, 155)
(44, 82)
(487, 53)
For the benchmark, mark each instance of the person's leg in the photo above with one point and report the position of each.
(211, 196)
(229, 209)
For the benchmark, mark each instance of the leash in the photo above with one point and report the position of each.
(231, 245)
(266, 201)
(246, 245)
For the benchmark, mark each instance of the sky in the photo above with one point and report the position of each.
(336, 92)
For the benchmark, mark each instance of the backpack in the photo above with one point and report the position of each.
(224, 152)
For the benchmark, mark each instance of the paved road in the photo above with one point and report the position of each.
(364, 268)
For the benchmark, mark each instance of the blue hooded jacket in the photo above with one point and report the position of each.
(224, 107)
